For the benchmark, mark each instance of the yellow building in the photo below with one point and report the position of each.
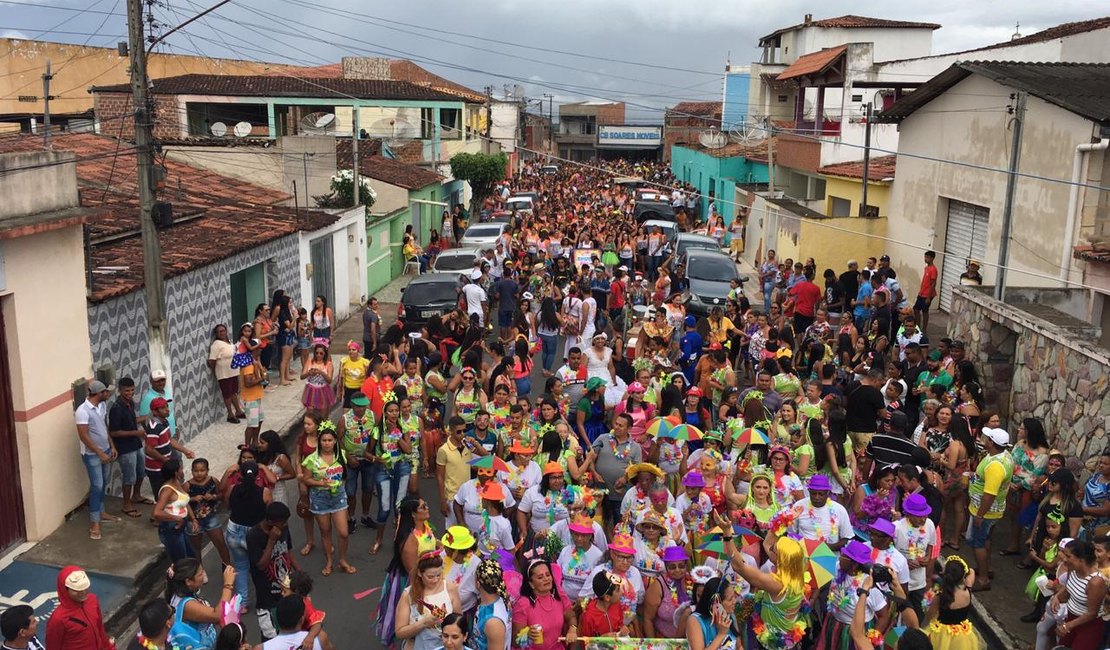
(844, 187)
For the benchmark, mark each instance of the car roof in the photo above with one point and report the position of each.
(436, 278)
(694, 237)
(460, 252)
(697, 253)
(660, 223)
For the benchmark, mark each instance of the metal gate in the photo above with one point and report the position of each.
(964, 239)
(12, 526)
(323, 272)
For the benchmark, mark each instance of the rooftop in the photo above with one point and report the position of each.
(387, 170)
(700, 109)
(878, 168)
(813, 63)
(399, 70)
(796, 208)
(851, 22)
(756, 152)
(285, 86)
(1081, 88)
(209, 212)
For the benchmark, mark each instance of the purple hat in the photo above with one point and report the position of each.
(693, 479)
(857, 552)
(675, 554)
(915, 505)
(883, 526)
(819, 482)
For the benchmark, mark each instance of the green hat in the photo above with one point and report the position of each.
(713, 435)
(593, 383)
(935, 355)
(359, 399)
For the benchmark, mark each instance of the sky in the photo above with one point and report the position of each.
(648, 53)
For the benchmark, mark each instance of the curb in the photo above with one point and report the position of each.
(992, 631)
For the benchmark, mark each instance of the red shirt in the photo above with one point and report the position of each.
(928, 282)
(595, 622)
(374, 388)
(616, 294)
(806, 296)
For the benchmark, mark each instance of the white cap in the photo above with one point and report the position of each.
(528, 296)
(78, 581)
(998, 436)
(157, 374)
(475, 274)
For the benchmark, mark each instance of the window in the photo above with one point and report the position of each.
(857, 98)
(450, 123)
(871, 211)
(782, 98)
(839, 207)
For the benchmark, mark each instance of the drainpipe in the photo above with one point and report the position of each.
(1073, 202)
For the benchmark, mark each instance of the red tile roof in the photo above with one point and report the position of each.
(286, 86)
(388, 170)
(1092, 253)
(210, 210)
(814, 63)
(701, 109)
(851, 21)
(878, 168)
(405, 70)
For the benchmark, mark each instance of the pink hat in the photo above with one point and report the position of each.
(581, 525)
(636, 387)
(622, 543)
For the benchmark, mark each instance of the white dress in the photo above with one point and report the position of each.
(598, 365)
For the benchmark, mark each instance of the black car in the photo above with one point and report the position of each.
(434, 294)
(709, 274)
(653, 210)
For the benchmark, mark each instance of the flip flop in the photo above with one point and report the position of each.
(375, 548)
(980, 586)
(347, 568)
(94, 534)
(307, 548)
(131, 513)
(326, 571)
(1009, 553)
(145, 502)
(107, 517)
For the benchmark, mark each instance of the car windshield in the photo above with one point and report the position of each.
(711, 268)
(454, 262)
(427, 293)
(697, 245)
(482, 231)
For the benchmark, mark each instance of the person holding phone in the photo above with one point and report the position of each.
(712, 626)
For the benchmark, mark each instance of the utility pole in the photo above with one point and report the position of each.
(153, 282)
(1018, 111)
(354, 159)
(550, 120)
(770, 157)
(866, 158)
(46, 79)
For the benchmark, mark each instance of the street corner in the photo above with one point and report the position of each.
(35, 585)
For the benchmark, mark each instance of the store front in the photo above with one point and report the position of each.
(630, 142)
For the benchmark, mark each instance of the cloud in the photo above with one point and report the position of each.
(13, 33)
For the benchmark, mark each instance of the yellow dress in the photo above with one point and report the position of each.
(952, 630)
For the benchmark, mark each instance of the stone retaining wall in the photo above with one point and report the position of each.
(1033, 367)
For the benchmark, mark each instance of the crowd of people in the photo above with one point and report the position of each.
(798, 469)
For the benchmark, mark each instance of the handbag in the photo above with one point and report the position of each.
(241, 360)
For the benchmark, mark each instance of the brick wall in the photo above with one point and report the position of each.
(611, 113)
(115, 114)
(798, 153)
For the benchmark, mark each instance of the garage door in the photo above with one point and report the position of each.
(965, 239)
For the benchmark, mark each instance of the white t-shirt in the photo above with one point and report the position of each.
(289, 641)
(575, 583)
(914, 544)
(522, 478)
(589, 307)
(475, 296)
(572, 309)
(562, 529)
(892, 559)
(829, 523)
(96, 418)
(463, 575)
(539, 510)
(499, 536)
(471, 503)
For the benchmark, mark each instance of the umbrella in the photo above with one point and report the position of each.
(661, 427)
(752, 436)
(822, 561)
(892, 636)
(685, 432)
(490, 462)
(715, 546)
(747, 535)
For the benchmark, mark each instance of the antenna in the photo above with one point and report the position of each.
(712, 139)
(752, 130)
(1017, 32)
(218, 129)
(319, 123)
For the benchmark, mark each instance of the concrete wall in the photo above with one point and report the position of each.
(348, 237)
(851, 189)
(22, 190)
(700, 169)
(257, 165)
(390, 198)
(969, 124)
(505, 124)
(317, 155)
(48, 346)
(889, 43)
(1035, 368)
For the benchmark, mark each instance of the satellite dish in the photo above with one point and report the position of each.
(394, 131)
(218, 129)
(318, 124)
(712, 139)
(243, 129)
(750, 131)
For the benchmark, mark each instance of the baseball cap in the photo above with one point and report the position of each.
(475, 274)
(97, 386)
(884, 258)
(999, 436)
(157, 374)
(159, 402)
(78, 581)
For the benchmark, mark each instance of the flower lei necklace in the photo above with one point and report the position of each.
(577, 556)
(811, 512)
(616, 452)
(147, 643)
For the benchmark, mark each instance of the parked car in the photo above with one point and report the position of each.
(454, 260)
(685, 242)
(659, 210)
(520, 203)
(482, 235)
(432, 294)
(709, 273)
(549, 169)
(668, 228)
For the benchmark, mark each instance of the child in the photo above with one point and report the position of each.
(1046, 558)
(304, 336)
(893, 392)
(299, 583)
(432, 438)
(602, 616)
(204, 498)
(498, 532)
(693, 504)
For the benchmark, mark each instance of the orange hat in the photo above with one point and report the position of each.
(519, 448)
(493, 491)
(552, 468)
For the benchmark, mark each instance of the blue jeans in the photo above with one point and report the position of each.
(392, 486)
(365, 472)
(235, 535)
(524, 386)
(550, 343)
(98, 478)
(173, 538)
(654, 262)
(768, 289)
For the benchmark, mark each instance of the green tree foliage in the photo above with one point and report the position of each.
(482, 171)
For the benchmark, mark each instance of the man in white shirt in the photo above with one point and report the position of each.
(477, 302)
(468, 502)
(915, 536)
(98, 450)
(821, 519)
(883, 552)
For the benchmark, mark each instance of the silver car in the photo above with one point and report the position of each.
(454, 260)
(482, 235)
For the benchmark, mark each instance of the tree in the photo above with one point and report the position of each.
(342, 192)
(482, 171)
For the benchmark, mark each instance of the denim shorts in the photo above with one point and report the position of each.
(978, 536)
(324, 502)
(130, 464)
(203, 525)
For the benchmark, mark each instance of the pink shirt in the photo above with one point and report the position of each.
(547, 613)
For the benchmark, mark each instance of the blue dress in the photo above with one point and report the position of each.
(496, 609)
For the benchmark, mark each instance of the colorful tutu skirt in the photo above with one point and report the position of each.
(386, 618)
(961, 636)
(609, 258)
(318, 396)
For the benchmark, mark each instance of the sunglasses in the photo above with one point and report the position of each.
(675, 565)
(468, 377)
